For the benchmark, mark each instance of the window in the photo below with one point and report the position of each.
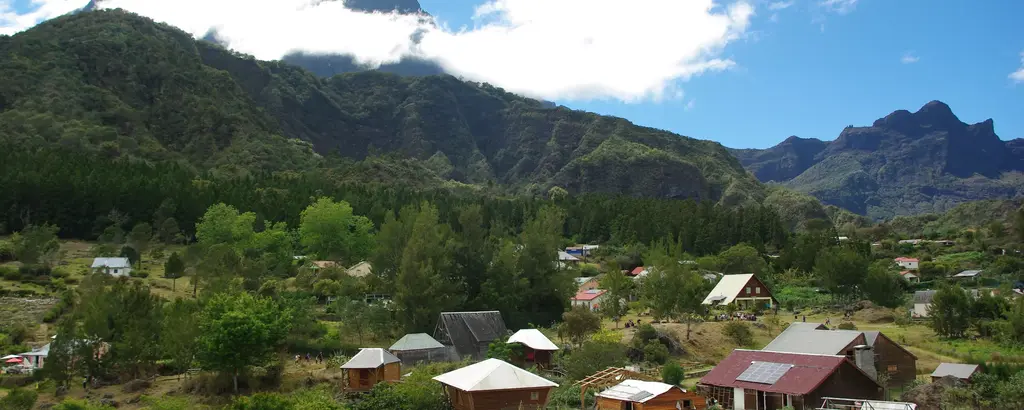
(115, 271)
(534, 395)
(893, 368)
(757, 290)
(748, 289)
(687, 404)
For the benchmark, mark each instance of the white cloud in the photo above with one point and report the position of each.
(780, 5)
(1018, 76)
(551, 49)
(839, 6)
(13, 21)
(909, 58)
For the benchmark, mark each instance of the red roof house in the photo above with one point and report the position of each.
(589, 298)
(637, 271)
(755, 379)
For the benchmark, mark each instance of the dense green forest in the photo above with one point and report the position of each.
(121, 85)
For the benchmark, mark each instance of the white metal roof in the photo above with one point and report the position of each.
(807, 338)
(958, 370)
(729, 286)
(533, 339)
(110, 263)
(565, 256)
(493, 374)
(370, 358)
(636, 391)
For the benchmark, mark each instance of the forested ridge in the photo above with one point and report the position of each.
(119, 84)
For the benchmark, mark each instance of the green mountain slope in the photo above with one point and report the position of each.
(904, 164)
(120, 84)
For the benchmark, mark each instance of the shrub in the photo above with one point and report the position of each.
(6, 251)
(739, 333)
(262, 401)
(589, 271)
(847, 326)
(673, 374)
(655, 352)
(70, 404)
(9, 273)
(19, 399)
(139, 273)
(644, 334)
(591, 357)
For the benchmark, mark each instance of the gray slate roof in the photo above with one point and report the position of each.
(370, 358)
(415, 341)
(958, 370)
(806, 338)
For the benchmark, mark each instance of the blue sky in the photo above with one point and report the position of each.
(810, 73)
(745, 73)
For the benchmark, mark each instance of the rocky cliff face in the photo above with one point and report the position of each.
(904, 163)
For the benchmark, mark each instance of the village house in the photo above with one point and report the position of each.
(871, 351)
(964, 372)
(745, 290)
(760, 380)
(585, 284)
(467, 335)
(565, 259)
(591, 299)
(112, 266)
(907, 263)
(648, 395)
(495, 385)
(537, 348)
(923, 300)
(581, 251)
(37, 357)
(638, 271)
(369, 367)
(359, 270)
(318, 265)
(910, 276)
(418, 347)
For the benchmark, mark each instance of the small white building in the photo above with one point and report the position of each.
(907, 263)
(112, 266)
(590, 298)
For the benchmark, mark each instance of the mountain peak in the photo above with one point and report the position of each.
(936, 109)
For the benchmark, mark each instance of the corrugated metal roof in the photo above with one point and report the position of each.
(729, 286)
(968, 274)
(565, 256)
(370, 358)
(958, 370)
(806, 338)
(924, 296)
(493, 374)
(416, 341)
(636, 391)
(807, 373)
(589, 294)
(533, 339)
(110, 263)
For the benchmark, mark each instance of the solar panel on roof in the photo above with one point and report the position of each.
(764, 372)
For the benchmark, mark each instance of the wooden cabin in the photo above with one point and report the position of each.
(369, 367)
(537, 348)
(646, 395)
(418, 347)
(495, 385)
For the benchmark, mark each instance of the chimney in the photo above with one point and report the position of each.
(864, 358)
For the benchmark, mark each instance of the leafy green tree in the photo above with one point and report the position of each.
(841, 270)
(500, 350)
(19, 399)
(742, 258)
(591, 357)
(174, 268)
(355, 316)
(616, 302)
(126, 316)
(179, 332)
(739, 333)
(217, 269)
(950, 312)
(673, 290)
(35, 243)
(139, 238)
(579, 323)
(557, 194)
(655, 352)
(130, 253)
(672, 373)
(239, 331)
(169, 231)
(60, 363)
(330, 230)
(883, 287)
(474, 250)
(425, 286)
(550, 288)
(223, 224)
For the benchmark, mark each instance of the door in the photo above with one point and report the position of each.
(364, 378)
